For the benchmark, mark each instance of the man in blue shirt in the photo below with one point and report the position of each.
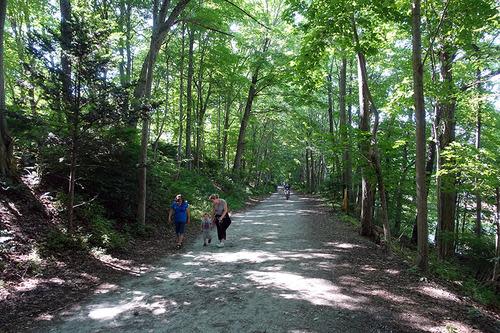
(180, 210)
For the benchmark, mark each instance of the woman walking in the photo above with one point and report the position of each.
(182, 216)
(220, 213)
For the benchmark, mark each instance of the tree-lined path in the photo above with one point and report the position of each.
(289, 266)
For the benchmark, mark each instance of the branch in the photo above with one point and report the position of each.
(198, 23)
(86, 202)
(247, 14)
(483, 79)
(441, 20)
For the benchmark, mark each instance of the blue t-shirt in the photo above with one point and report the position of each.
(180, 211)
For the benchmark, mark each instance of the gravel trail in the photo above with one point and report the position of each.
(288, 266)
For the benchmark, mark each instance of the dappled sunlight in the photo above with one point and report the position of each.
(175, 275)
(315, 291)
(108, 311)
(388, 296)
(437, 293)
(392, 271)
(245, 255)
(342, 245)
(105, 288)
(417, 321)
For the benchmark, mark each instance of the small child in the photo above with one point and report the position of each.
(206, 227)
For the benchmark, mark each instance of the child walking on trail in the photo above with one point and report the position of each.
(206, 227)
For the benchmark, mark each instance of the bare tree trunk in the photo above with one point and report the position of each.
(418, 100)
(219, 143)
(240, 147)
(399, 191)
(181, 97)
(313, 171)
(189, 97)
(65, 7)
(75, 124)
(344, 138)
(125, 51)
(227, 107)
(446, 189)
(308, 178)
(161, 26)
(6, 142)
(329, 82)
(367, 197)
(496, 270)
(478, 227)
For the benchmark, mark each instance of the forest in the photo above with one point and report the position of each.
(388, 109)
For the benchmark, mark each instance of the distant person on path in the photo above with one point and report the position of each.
(207, 226)
(287, 191)
(180, 210)
(220, 213)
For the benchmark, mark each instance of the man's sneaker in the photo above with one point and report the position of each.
(221, 244)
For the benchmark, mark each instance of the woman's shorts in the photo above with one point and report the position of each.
(180, 227)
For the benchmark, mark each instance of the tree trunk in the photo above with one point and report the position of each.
(143, 91)
(6, 142)
(189, 98)
(478, 227)
(329, 82)
(181, 96)
(313, 176)
(367, 196)
(446, 182)
(161, 27)
(73, 157)
(399, 191)
(227, 108)
(65, 7)
(125, 51)
(240, 147)
(252, 91)
(418, 102)
(496, 266)
(307, 171)
(344, 138)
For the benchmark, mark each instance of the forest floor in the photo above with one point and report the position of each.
(288, 266)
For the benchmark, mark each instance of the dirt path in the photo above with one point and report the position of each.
(287, 267)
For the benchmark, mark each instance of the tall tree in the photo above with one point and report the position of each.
(418, 100)
(142, 93)
(6, 142)
(252, 92)
(189, 97)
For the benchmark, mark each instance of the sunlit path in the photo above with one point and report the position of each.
(287, 267)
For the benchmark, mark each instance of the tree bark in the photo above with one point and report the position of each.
(252, 91)
(496, 266)
(189, 98)
(161, 26)
(344, 137)
(66, 31)
(329, 82)
(446, 182)
(418, 102)
(6, 142)
(478, 227)
(367, 196)
(181, 97)
(399, 191)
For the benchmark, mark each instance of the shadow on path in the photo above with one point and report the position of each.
(287, 267)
